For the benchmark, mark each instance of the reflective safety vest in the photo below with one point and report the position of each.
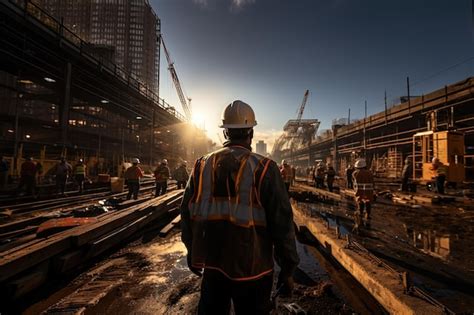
(228, 221)
(80, 169)
(363, 184)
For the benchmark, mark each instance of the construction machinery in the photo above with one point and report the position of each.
(296, 132)
(185, 101)
(447, 146)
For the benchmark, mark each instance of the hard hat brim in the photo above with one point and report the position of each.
(237, 126)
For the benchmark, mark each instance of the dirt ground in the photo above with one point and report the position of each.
(150, 276)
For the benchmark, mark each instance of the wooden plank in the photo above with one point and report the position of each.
(17, 260)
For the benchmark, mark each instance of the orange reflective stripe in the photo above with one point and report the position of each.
(261, 178)
(266, 272)
(243, 163)
(201, 171)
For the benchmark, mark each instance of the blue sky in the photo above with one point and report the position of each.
(268, 52)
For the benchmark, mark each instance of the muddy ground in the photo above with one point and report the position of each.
(150, 276)
(434, 243)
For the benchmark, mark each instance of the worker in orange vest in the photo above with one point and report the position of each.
(132, 176)
(286, 174)
(364, 192)
(235, 217)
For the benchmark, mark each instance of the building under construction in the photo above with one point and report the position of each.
(419, 128)
(59, 99)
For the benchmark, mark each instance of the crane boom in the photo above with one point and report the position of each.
(303, 104)
(185, 102)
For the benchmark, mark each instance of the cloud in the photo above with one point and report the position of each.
(238, 5)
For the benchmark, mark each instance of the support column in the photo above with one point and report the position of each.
(152, 136)
(66, 104)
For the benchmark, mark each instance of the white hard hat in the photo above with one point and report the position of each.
(360, 163)
(435, 160)
(238, 115)
(135, 161)
(283, 162)
(164, 161)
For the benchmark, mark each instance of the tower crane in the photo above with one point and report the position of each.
(185, 101)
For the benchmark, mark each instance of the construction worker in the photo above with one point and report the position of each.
(349, 179)
(330, 176)
(364, 192)
(132, 176)
(286, 173)
(406, 174)
(162, 174)
(319, 175)
(80, 174)
(181, 175)
(63, 171)
(441, 172)
(4, 168)
(28, 176)
(236, 216)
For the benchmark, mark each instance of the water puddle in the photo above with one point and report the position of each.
(431, 242)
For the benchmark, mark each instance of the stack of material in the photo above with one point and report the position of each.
(64, 251)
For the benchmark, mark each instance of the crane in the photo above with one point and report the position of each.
(296, 129)
(185, 101)
(303, 105)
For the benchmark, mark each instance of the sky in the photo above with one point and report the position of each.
(268, 52)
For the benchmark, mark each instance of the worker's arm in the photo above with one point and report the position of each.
(279, 217)
(186, 230)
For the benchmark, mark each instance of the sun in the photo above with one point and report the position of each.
(198, 119)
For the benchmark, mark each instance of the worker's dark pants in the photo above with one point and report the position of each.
(405, 181)
(181, 184)
(161, 188)
(287, 186)
(79, 178)
(29, 182)
(133, 188)
(61, 184)
(440, 179)
(350, 184)
(319, 182)
(248, 297)
(330, 182)
(365, 206)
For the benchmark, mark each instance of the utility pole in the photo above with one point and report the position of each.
(408, 95)
(365, 122)
(349, 117)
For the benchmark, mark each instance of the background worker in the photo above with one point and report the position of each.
(406, 174)
(132, 177)
(63, 171)
(79, 172)
(349, 178)
(364, 192)
(440, 169)
(4, 168)
(319, 175)
(231, 233)
(162, 174)
(330, 176)
(28, 176)
(181, 175)
(286, 173)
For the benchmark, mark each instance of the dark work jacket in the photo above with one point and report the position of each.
(219, 240)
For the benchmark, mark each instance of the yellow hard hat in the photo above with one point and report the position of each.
(238, 115)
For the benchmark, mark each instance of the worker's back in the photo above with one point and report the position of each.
(228, 219)
(364, 183)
